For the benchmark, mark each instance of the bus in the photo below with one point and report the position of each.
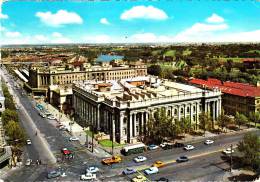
(133, 149)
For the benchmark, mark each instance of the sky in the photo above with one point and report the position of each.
(163, 21)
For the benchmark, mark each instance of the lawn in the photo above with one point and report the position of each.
(108, 143)
(170, 53)
(187, 52)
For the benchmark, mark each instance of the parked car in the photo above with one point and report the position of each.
(51, 117)
(158, 164)
(28, 162)
(92, 169)
(189, 147)
(168, 146)
(208, 142)
(29, 142)
(178, 145)
(66, 151)
(151, 170)
(228, 151)
(162, 179)
(182, 159)
(139, 178)
(128, 171)
(88, 176)
(74, 138)
(140, 159)
(53, 174)
(153, 147)
(42, 114)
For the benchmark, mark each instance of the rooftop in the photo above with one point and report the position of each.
(233, 88)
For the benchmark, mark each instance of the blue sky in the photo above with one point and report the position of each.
(121, 21)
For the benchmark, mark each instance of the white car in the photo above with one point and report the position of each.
(92, 169)
(42, 115)
(228, 151)
(151, 170)
(51, 117)
(29, 142)
(208, 142)
(140, 159)
(88, 176)
(153, 147)
(28, 162)
(163, 144)
(189, 147)
(74, 138)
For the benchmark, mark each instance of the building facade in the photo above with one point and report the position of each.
(237, 97)
(121, 108)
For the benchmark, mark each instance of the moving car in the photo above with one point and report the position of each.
(182, 159)
(53, 174)
(88, 176)
(74, 138)
(140, 159)
(153, 147)
(28, 162)
(139, 178)
(151, 170)
(128, 171)
(92, 169)
(228, 151)
(29, 142)
(112, 160)
(158, 164)
(208, 142)
(189, 147)
(66, 151)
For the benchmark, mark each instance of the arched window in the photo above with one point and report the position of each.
(188, 109)
(182, 110)
(175, 111)
(169, 113)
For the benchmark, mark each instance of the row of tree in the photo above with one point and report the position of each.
(13, 130)
(163, 126)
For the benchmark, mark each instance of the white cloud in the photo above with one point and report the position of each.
(12, 34)
(61, 40)
(2, 16)
(98, 39)
(56, 34)
(2, 28)
(41, 38)
(104, 21)
(62, 17)
(214, 18)
(143, 12)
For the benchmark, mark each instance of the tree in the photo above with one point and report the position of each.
(15, 133)
(9, 115)
(223, 121)
(154, 70)
(254, 117)
(240, 119)
(205, 121)
(185, 124)
(250, 146)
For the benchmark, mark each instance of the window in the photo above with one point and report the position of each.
(124, 131)
(188, 109)
(194, 108)
(182, 110)
(169, 112)
(137, 129)
(175, 111)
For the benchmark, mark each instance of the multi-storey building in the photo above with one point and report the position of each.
(121, 108)
(237, 97)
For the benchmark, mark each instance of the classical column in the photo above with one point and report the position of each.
(98, 117)
(121, 120)
(142, 123)
(145, 122)
(134, 134)
(179, 113)
(131, 125)
(214, 110)
(191, 112)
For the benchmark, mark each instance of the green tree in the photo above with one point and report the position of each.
(185, 124)
(254, 117)
(15, 133)
(9, 115)
(223, 121)
(250, 146)
(205, 121)
(240, 119)
(154, 70)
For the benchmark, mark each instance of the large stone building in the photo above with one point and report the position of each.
(123, 107)
(237, 97)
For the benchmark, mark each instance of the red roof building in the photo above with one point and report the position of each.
(238, 97)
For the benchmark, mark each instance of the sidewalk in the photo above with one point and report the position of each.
(75, 130)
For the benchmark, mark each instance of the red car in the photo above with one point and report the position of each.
(66, 151)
